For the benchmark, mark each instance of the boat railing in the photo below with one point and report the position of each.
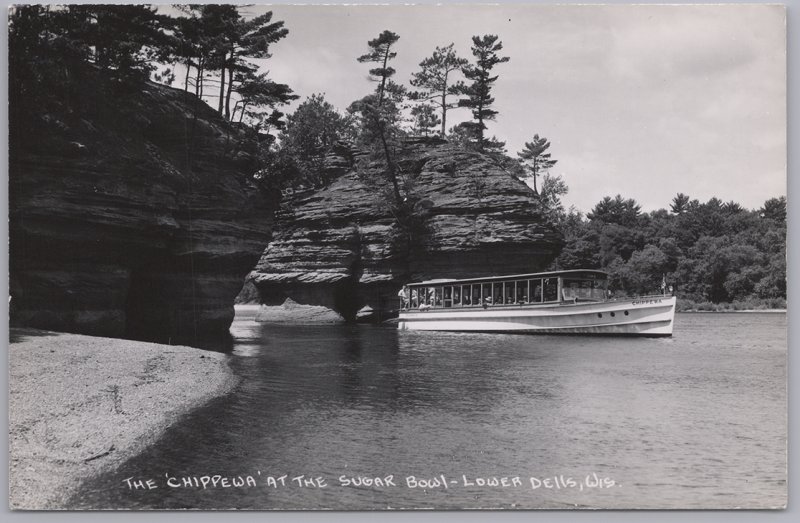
(410, 305)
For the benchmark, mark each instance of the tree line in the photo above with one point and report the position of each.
(713, 252)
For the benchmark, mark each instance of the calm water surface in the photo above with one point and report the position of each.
(694, 421)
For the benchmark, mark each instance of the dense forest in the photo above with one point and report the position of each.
(710, 253)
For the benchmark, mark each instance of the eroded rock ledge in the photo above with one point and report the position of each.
(341, 247)
(132, 213)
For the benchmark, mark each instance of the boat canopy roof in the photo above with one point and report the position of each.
(591, 274)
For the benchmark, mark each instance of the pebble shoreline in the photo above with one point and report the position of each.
(80, 406)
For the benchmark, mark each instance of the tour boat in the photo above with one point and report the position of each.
(560, 302)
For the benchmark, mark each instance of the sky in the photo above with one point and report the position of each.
(642, 101)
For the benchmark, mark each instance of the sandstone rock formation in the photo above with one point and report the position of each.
(132, 213)
(341, 247)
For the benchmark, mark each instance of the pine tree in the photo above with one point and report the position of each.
(259, 94)
(124, 38)
(535, 159)
(380, 112)
(381, 52)
(679, 204)
(425, 118)
(230, 41)
(435, 80)
(479, 98)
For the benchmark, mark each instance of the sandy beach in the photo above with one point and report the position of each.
(82, 405)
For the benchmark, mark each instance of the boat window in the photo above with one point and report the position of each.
(522, 291)
(584, 289)
(429, 297)
(536, 290)
(414, 297)
(510, 292)
(448, 296)
(497, 293)
(550, 289)
(486, 293)
(456, 296)
(476, 295)
(438, 297)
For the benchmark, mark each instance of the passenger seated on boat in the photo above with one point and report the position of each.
(509, 300)
(467, 300)
(424, 306)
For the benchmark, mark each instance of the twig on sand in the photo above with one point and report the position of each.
(96, 456)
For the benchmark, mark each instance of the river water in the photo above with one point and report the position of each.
(698, 420)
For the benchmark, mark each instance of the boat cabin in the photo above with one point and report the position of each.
(518, 289)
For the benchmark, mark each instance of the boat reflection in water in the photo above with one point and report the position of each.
(561, 302)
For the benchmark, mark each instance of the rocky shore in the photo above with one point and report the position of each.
(296, 313)
(81, 405)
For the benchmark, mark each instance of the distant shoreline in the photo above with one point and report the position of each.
(80, 406)
(768, 311)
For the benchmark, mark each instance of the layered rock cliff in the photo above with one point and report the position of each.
(345, 248)
(132, 213)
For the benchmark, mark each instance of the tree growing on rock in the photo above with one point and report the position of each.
(311, 133)
(190, 49)
(380, 112)
(258, 95)
(217, 38)
(534, 158)
(239, 40)
(380, 52)
(479, 93)
(124, 37)
(122, 40)
(435, 79)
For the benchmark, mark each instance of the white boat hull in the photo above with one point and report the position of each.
(648, 316)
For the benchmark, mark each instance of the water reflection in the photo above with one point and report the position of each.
(369, 400)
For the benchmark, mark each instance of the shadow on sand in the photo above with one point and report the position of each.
(20, 334)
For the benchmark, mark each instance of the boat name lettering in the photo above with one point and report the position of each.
(646, 302)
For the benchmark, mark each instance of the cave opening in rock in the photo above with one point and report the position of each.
(346, 300)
